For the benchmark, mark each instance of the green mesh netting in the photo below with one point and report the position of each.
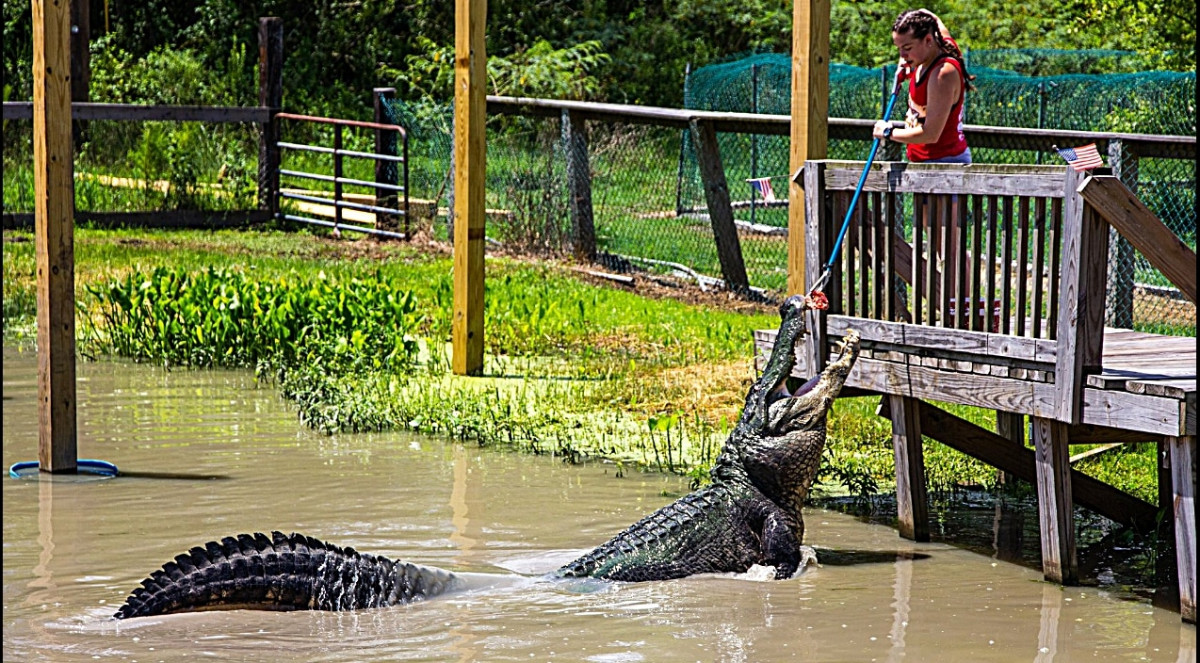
(1052, 62)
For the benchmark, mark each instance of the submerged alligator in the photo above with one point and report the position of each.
(749, 515)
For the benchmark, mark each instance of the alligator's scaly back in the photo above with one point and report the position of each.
(294, 572)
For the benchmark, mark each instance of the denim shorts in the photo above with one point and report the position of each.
(965, 157)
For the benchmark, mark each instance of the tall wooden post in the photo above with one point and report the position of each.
(470, 113)
(1081, 320)
(1056, 504)
(912, 502)
(1182, 452)
(54, 218)
(270, 95)
(810, 118)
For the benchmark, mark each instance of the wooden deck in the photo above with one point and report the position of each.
(1033, 243)
(1147, 382)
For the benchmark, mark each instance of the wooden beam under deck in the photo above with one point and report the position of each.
(997, 451)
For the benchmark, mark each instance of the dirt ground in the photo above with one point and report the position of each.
(645, 284)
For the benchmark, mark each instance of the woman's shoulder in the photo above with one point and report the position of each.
(949, 66)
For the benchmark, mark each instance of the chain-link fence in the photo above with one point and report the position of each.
(650, 208)
(1065, 98)
(648, 195)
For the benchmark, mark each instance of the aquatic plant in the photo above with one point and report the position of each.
(223, 317)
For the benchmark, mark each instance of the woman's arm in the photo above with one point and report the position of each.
(944, 89)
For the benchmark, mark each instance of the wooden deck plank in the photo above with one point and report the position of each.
(1138, 412)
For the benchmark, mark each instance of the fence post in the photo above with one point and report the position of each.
(386, 172)
(451, 178)
(720, 212)
(81, 62)
(338, 174)
(1080, 334)
(1041, 116)
(270, 95)
(579, 185)
(753, 142)
(1056, 502)
(1119, 308)
(683, 139)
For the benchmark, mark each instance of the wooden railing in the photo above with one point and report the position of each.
(985, 269)
(1123, 150)
(1145, 231)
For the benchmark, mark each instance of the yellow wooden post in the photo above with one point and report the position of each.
(54, 217)
(470, 112)
(810, 117)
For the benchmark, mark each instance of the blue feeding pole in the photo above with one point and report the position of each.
(862, 179)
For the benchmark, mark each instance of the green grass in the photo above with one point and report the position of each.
(572, 368)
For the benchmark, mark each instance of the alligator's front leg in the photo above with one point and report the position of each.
(780, 537)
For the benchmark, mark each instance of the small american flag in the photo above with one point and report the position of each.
(1082, 158)
(763, 186)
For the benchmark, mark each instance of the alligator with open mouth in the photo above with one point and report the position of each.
(750, 514)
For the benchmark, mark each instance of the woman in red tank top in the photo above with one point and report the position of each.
(937, 85)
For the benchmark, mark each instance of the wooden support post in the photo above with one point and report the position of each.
(810, 121)
(579, 185)
(912, 504)
(1056, 508)
(1182, 452)
(386, 172)
(470, 113)
(270, 95)
(720, 211)
(816, 220)
(81, 62)
(1010, 426)
(1119, 309)
(54, 219)
(1081, 320)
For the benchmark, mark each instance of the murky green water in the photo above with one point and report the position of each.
(217, 455)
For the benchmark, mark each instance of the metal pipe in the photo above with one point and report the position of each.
(330, 224)
(349, 153)
(343, 180)
(345, 204)
(341, 122)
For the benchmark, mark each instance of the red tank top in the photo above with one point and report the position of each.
(952, 142)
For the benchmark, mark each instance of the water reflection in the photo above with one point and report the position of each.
(72, 551)
(901, 593)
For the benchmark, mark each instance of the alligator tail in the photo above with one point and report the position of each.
(282, 572)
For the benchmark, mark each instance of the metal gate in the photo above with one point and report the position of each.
(382, 212)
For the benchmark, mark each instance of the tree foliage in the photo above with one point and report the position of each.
(631, 51)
